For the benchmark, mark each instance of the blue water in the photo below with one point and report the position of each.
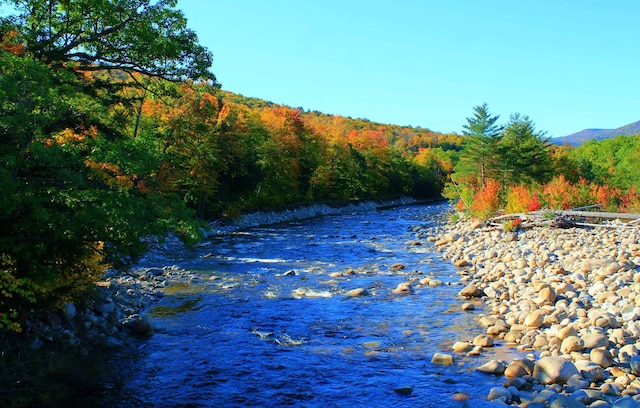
(264, 324)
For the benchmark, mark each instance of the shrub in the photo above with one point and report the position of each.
(522, 199)
(559, 194)
(486, 201)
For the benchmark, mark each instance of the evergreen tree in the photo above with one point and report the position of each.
(478, 156)
(523, 152)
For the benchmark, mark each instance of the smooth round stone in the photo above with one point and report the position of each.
(601, 357)
(626, 352)
(571, 344)
(589, 370)
(519, 368)
(495, 367)
(553, 370)
(535, 319)
(595, 340)
(576, 382)
(499, 393)
(357, 292)
(482, 340)
(461, 346)
(471, 291)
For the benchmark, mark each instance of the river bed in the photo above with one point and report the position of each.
(266, 321)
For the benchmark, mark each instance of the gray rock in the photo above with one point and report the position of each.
(442, 359)
(601, 357)
(483, 340)
(625, 402)
(634, 363)
(576, 382)
(69, 312)
(563, 401)
(495, 367)
(499, 393)
(553, 370)
(595, 340)
(357, 292)
(139, 325)
(471, 291)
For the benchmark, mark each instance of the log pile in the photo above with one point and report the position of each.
(575, 217)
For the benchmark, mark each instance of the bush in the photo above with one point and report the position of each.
(486, 201)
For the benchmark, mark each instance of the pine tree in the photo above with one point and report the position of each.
(523, 152)
(478, 156)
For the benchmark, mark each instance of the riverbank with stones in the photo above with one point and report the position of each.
(567, 299)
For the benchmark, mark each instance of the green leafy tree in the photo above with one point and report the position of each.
(478, 156)
(144, 36)
(75, 187)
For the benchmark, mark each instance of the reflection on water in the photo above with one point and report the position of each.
(269, 322)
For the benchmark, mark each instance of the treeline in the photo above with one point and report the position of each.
(513, 168)
(114, 131)
(224, 153)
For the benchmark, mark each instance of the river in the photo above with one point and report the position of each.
(266, 322)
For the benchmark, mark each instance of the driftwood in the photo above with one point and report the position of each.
(574, 217)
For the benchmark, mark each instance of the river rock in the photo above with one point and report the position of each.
(576, 382)
(553, 370)
(625, 402)
(519, 368)
(601, 357)
(564, 401)
(534, 319)
(451, 236)
(595, 340)
(547, 295)
(627, 351)
(471, 291)
(357, 292)
(461, 346)
(589, 369)
(139, 325)
(442, 359)
(634, 364)
(495, 367)
(499, 393)
(571, 344)
(565, 332)
(69, 312)
(482, 340)
(403, 288)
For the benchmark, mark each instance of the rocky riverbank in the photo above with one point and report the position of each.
(568, 299)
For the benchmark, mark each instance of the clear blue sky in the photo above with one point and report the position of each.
(569, 65)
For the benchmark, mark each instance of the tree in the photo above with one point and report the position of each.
(523, 152)
(142, 36)
(75, 195)
(479, 146)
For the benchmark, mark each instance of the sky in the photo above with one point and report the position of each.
(569, 65)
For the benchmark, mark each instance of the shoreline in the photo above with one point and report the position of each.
(569, 298)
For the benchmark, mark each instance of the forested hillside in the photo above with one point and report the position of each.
(115, 132)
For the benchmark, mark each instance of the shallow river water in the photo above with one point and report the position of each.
(264, 324)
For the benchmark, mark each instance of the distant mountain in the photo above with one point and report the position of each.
(576, 139)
